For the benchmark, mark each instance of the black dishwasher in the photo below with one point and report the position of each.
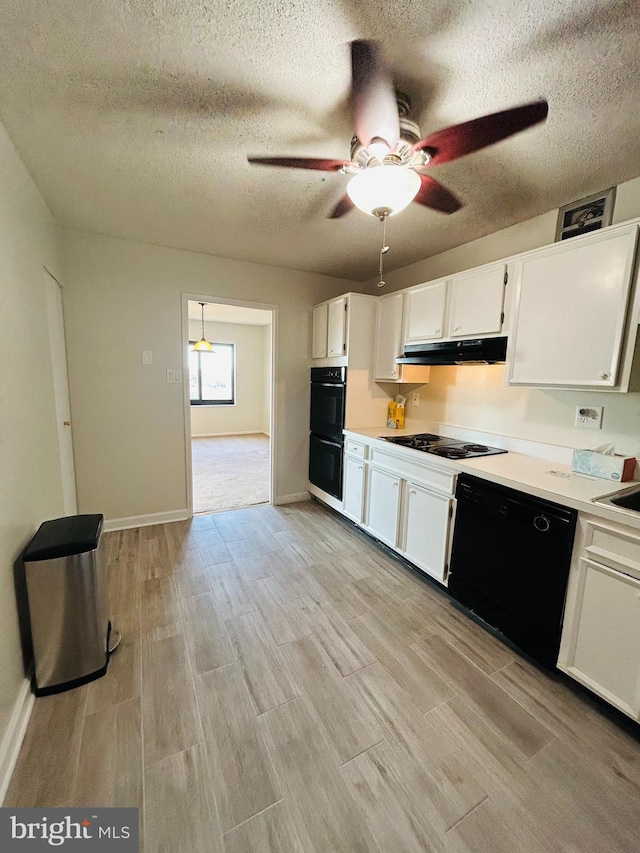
(510, 563)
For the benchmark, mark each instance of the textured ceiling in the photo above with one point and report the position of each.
(134, 117)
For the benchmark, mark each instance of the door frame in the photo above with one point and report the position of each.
(273, 414)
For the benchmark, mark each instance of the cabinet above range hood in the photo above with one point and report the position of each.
(472, 351)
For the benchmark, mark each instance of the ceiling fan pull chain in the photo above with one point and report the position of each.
(384, 249)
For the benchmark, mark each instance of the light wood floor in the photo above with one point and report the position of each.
(284, 685)
(230, 471)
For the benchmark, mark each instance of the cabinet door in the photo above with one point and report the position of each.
(336, 339)
(320, 328)
(426, 523)
(353, 492)
(388, 336)
(571, 311)
(601, 635)
(476, 302)
(425, 312)
(382, 505)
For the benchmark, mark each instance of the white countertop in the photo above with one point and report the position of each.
(548, 480)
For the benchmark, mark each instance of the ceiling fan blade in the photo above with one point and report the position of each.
(461, 139)
(434, 195)
(318, 163)
(373, 98)
(343, 206)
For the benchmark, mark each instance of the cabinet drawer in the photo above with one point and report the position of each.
(355, 448)
(614, 547)
(432, 477)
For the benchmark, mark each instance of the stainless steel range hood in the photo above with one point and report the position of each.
(472, 351)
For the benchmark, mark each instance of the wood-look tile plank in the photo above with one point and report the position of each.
(266, 677)
(169, 710)
(424, 765)
(124, 585)
(260, 536)
(495, 706)
(407, 621)
(123, 678)
(471, 640)
(285, 621)
(228, 526)
(375, 785)
(231, 594)
(315, 791)
(180, 811)
(406, 667)
(344, 648)
(161, 617)
(350, 726)
(244, 781)
(300, 547)
(272, 831)
(47, 763)
(206, 633)
(330, 584)
(213, 550)
(110, 764)
(272, 518)
(190, 574)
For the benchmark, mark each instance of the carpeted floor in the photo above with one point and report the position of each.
(230, 471)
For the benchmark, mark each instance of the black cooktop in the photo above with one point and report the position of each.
(440, 445)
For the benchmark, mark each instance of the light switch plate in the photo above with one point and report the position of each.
(147, 356)
(415, 398)
(174, 377)
(589, 417)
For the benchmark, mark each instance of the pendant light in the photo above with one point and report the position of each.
(203, 344)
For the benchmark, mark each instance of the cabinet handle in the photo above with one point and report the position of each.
(457, 328)
(604, 375)
(359, 467)
(393, 372)
(412, 492)
(395, 484)
(437, 331)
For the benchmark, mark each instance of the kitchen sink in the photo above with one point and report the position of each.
(628, 499)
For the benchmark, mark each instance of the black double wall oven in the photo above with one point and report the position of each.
(328, 392)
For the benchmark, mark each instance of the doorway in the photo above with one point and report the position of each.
(229, 413)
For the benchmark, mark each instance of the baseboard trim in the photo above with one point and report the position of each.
(291, 499)
(222, 434)
(13, 737)
(146, 520)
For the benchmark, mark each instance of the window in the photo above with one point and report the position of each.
(212, 376)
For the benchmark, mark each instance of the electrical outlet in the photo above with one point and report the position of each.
(415, 398)
(174, 377)
(589, 417)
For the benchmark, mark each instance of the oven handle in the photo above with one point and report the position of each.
(327, 441)
(327, 384)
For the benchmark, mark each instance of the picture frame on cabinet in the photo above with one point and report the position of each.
(586, 214)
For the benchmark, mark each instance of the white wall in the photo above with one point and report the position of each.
(123, 297)
(247, 415)
(475, 396)
(30, 480)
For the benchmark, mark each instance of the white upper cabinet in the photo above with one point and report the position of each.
(337, 327)
(320, 331)
(476, 300)
(389, 341)
(570, 313)
(425, 312)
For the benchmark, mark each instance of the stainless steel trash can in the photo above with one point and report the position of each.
(66, 574)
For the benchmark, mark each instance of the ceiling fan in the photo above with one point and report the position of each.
(389, 158)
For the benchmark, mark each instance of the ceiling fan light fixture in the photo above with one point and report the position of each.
(389, 187)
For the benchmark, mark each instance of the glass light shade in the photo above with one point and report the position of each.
(203, 345)
(388, 186)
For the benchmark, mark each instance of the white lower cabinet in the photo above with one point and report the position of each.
(353, 488)
(424, 538)
(601, 632)
(383, 505)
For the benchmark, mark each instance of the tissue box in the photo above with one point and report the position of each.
(609, 467)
